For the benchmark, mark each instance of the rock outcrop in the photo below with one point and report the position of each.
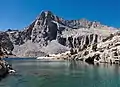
(5, 69)
(106, 51)
(6, 46)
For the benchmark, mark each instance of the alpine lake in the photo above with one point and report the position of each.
(36, 73)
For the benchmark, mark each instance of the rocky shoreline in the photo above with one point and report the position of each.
(5, 68)
(106, 51)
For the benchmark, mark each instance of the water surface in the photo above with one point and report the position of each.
(34, 73)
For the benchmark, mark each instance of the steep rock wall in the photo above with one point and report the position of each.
(6, 45)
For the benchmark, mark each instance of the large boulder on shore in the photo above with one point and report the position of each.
(3, 69)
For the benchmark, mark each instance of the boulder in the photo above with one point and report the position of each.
(3, 69)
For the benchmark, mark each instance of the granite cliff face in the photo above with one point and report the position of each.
(49, 30)
(107, 51)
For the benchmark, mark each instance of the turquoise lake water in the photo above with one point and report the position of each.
(34, 73)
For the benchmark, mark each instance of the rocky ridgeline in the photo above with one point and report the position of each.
(49, 34)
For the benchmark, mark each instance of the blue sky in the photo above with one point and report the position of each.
(20, 13)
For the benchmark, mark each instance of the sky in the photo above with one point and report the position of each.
(17, 14)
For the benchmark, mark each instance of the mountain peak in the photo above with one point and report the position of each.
(45, 14)
(46, 11)
(46, 17)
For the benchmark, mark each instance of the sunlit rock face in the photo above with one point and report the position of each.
(47, 27)
(107, 51)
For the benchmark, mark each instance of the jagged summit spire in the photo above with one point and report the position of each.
(44, 14)
(46, 11)
(47, 16)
